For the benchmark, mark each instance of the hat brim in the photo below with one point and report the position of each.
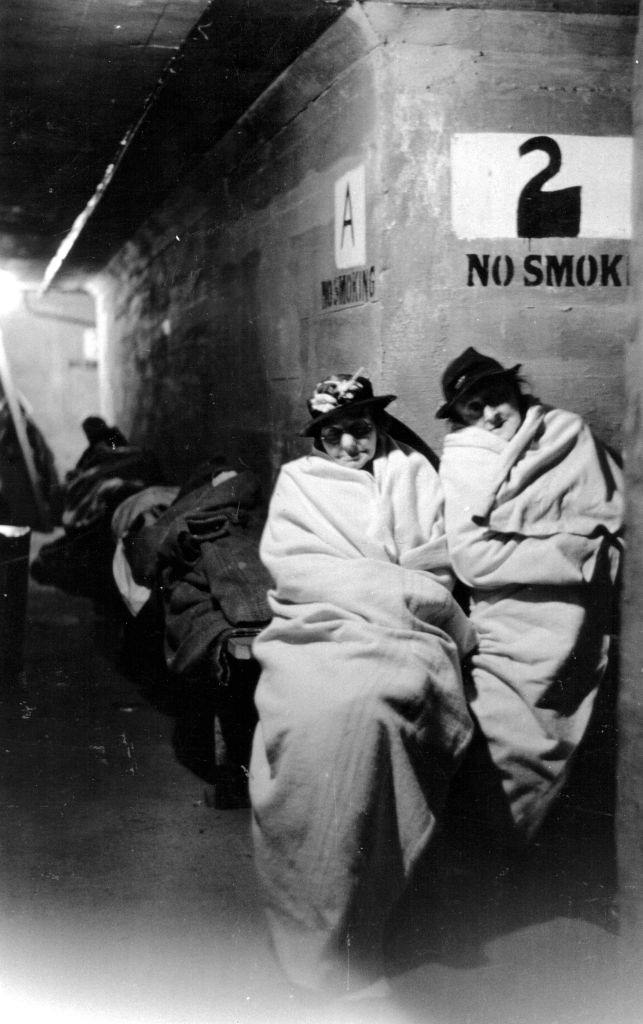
(445, 410)
(378, 402)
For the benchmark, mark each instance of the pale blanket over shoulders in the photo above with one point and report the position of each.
(360, 566)
(533, 526)
(553, 479)
(362, 715)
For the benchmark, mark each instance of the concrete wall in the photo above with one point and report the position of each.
(44, 342)
(212, 313)
(459, 73)
(630, 768)
(221, 313)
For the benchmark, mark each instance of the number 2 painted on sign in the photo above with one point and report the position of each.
(547, 214)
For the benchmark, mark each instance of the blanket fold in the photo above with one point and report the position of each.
(361, 704)
(533, 526)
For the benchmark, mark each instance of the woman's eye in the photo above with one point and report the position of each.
(361, 430)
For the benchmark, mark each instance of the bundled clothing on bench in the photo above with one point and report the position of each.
(130, 516)
(533, 526)
(190, 573)
(199, 496)
(192, 552)
(213, 583)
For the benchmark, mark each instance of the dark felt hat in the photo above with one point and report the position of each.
(462, 373)
(341, 393)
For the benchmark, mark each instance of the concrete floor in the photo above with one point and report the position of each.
(126, 899)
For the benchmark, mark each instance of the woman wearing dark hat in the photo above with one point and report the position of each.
(533, 513)
(479, 390)
(362, 716)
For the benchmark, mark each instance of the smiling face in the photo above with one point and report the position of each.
(494, 407)
(350, 440)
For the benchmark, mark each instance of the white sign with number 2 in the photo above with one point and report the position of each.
(511, 185)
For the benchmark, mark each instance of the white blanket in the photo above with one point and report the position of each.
(361, 706)
(532, 526)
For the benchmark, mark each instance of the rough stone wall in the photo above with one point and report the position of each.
(630, 767)
(219, 315)
(48, 364)
(509, 73)
(212, 313)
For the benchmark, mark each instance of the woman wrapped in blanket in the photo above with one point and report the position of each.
(533, 512)
(362, 715)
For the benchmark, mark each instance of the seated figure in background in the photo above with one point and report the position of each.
(109, 470)
(533, 513)
(362, 713)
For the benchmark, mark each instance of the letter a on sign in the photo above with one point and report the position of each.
(350, 219)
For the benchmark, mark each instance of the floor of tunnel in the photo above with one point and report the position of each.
(128, 899)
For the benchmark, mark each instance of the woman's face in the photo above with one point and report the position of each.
(493, 407)
(350, 440)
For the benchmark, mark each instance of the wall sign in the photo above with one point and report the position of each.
(350, 219)
(348, 289)
(511, 185)
(552, 270)
(356, 284)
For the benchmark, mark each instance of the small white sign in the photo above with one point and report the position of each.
(350, 219)
(512, 185)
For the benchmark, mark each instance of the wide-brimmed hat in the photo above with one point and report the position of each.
(341, 393)
(462, 373)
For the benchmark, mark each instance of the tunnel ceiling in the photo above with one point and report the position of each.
(110, 102)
